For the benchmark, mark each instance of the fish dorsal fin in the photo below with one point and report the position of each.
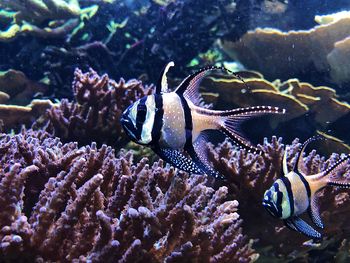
(162, 85)
(284, 163)
(300, 161)
(189, 86)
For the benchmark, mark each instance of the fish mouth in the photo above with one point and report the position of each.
(124, 121)
(269, 208)
(128, 126)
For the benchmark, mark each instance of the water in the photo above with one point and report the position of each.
(290, 54)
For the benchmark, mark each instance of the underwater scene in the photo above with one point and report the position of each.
(174, 131)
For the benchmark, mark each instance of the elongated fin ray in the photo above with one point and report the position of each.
(233, 119)
(200, 155)
(339, 182)
(178, 160)
(300, 161)
(162, 84)
(314, 212)
(296, 223)
(284, 162)
(189, 86)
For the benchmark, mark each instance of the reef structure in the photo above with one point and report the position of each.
(319, 51)
(62, 202)
(249, 176)
(314, 107)
(94, 114)
(31, 17)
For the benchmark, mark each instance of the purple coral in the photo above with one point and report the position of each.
(90, 205)
(249, 176)
(95, 113)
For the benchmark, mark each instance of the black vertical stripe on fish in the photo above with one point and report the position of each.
(188, 123)
(140, 117)
(127, 123)
(288, 186)
(306, 184)
(158, 119)
(279, 200)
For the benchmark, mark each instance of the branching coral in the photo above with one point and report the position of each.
(61, 202)
(248, 176)
(95, 114)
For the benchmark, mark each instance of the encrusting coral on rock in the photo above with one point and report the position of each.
(319, 106)
(249, 176)
(319, 50)
(95, 113)
(31, 17)
(14, 116)
(62, 202)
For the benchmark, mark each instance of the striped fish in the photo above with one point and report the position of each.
(295, 193)
(176, 128)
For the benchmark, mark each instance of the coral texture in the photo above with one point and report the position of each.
(19, 89)
(61, 202)
(308, 108)
(249, 176)
(297, 97)
(29, 17)
(94, 116)
(14, 116)
(302, 52)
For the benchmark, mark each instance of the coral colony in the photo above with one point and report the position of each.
(74, 188)
(79, 201)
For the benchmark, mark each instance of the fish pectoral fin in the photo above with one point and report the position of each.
(290, 225)
(314, 212)
(162, 84)
(178, 160)
(299, 225)
(199, 154)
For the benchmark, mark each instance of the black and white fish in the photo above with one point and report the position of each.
(175, 127)
(295, 193)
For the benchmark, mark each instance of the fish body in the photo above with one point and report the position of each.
(295, 193)
(176, 128)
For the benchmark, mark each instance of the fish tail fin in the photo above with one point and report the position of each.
(230, 123)
(333, 178)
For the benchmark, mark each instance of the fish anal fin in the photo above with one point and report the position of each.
(298, 224)
(162, 85)
(178, 160)
(314, 212)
